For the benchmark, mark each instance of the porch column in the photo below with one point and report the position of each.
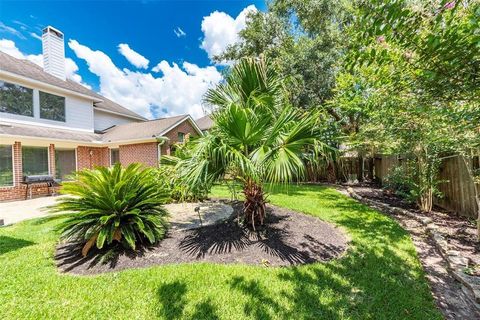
(51, 160)
(17, 163)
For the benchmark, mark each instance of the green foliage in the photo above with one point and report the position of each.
(439, 40)
(258, 136)
(171, 180)
(415, 182)
(113, 205)
(30, 284)
(303, 39)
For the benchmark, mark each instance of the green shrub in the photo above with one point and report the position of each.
(169, 177)
(113, 206)
(416, 181)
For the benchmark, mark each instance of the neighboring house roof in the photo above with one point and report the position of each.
(144, 130)
(205, 123)
(28, 69)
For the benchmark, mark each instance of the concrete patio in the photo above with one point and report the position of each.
(182, 215)
(16, 211)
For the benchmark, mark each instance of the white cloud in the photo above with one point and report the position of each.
(179, 32)
(36, 36)
(11, 30)
(221, 30)
(71, 68)
(132, 56)
(172, 89)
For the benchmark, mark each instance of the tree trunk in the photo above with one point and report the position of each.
(254, 204)
(361, 168)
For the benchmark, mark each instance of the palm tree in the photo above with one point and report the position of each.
(257, 137)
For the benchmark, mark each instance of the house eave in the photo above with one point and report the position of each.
(118, 113)
(187, 117)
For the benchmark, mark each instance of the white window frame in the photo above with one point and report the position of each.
(110, 155)
(13, 168)
(48, 156)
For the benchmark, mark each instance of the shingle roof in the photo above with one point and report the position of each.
(204, 123)
(30, 70)
(141, 130)
(47, 133)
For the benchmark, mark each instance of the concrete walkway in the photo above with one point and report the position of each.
(16, 211)
(182, 215)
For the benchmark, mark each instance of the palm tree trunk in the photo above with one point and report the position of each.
(254, 204)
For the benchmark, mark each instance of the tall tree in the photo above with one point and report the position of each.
(258, 136)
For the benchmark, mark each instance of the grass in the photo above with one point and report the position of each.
(380, 277)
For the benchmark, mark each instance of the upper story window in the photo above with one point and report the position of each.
(16, 99)
(52, 107)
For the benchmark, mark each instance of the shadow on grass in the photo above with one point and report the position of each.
(367, 284)
(205, 310)
(69, 256)
(8, 244)
(171, 298)
(377, 279)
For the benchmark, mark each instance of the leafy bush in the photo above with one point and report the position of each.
(402, 183)
(113, 206)
(416, 181)
(169, 177)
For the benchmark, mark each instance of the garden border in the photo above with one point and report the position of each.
(455, 261)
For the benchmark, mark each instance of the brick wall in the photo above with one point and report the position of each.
(146, 153)
(184, 127)
(19, 191)
(91, 157)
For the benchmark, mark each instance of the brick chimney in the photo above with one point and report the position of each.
(53, 52)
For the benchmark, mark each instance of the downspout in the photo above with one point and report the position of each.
(161, 140)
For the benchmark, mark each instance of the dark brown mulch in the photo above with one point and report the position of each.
(288, 238)
(460, 232)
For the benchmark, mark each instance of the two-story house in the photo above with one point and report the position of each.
(50, 125)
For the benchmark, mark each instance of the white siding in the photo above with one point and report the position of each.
(104, 120)
(78, 114)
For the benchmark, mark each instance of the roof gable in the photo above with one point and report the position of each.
(146, 130)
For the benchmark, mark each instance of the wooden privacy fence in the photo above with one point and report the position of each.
(457, 188)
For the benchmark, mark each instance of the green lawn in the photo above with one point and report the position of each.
(379, 278)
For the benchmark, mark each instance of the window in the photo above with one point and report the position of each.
(52, 107)
(65, 163)
(34, 161)
(6, 166)
(181, 137)
(16, 99)
(114, 156)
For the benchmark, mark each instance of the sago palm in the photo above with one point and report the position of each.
(257, 136)
(113, 205)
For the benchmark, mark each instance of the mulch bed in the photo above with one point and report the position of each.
(287, 238)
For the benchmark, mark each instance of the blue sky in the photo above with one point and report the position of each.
(176, 37)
